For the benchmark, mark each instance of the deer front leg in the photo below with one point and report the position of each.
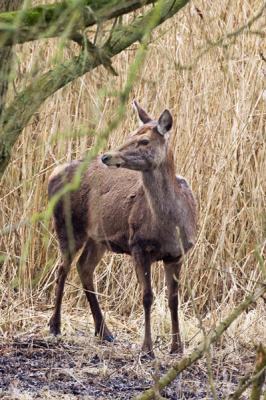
(143, 271)
(172, 271)
(90, 257)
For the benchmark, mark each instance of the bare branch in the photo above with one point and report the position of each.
(212, 337)
(29, 100)
(51, 20)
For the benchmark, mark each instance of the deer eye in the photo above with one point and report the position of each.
(144, 142)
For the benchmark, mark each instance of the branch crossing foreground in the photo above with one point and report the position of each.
(199, 352)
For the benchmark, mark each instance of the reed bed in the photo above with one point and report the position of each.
(217, 97)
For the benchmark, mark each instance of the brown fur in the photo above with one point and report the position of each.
(135, 211)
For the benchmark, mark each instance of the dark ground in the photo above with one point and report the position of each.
(71, 369)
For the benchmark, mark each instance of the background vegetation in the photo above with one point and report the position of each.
(214, 84)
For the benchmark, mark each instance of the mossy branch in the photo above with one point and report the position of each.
(18, 114)
(245, 383)
(51, 20)
(260, 365)
(212, 337)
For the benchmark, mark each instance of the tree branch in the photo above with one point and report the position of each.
(29, 100)
(260, 365)
(6, 55)
(212, 337)
(244, 384)
(51, 20)
(95, 51)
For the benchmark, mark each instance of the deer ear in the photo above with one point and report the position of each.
(165, 122)
(143, 115)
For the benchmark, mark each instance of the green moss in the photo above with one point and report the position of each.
(27, 102)
(49, 12)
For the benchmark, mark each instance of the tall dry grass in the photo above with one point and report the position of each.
(219, 143)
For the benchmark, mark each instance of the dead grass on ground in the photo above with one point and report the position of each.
(219, 144)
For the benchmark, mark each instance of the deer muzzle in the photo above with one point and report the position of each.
(111, 161)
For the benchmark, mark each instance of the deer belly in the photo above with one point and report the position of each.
(117, 246)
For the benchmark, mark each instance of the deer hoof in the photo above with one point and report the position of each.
(179, 350)
(109, 338)
(148, 356)
(55, 330)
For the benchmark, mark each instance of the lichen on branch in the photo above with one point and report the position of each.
(26, 103)
(52, 20)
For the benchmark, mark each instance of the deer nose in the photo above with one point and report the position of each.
(105, 159)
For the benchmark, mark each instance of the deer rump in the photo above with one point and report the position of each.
(134, 209)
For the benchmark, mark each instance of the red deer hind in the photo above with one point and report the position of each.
(135, 210)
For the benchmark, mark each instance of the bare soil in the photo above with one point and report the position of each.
(79, 367)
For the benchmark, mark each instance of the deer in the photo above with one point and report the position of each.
(130, 201)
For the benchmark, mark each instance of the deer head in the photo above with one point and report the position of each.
(146, 147)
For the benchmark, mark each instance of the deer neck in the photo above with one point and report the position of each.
(159, 186)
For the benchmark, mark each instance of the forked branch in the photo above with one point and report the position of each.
(51, 20)
(29, 100)
(212, 337)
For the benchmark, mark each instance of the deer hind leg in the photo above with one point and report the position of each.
(90, 257)
(143, 271)
(55, 320)
(172, 271)
(68, 250)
